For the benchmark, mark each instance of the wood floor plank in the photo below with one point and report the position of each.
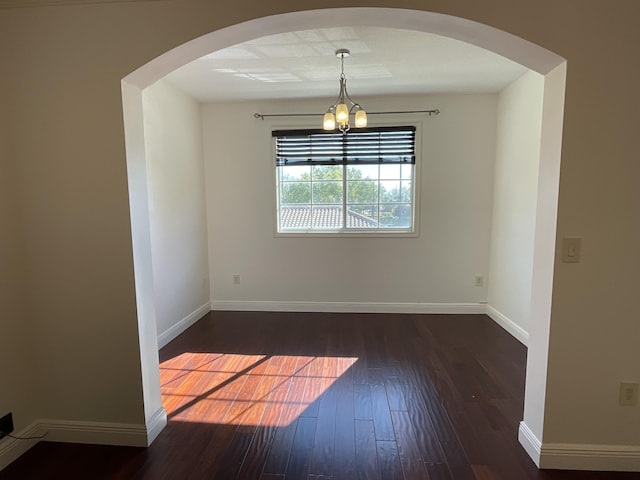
(484, 472)
(394, 341)
(259, 390)
(345, 455)
(469, 437)
(376, 376)
(366, 451)
(360, 368)
(429, 400)
(324, 445)
(284, 436)
(301, 449)
(374, 346)
(287, 422)
(362, 402)
(175, 370)
(259, 450)
(438, 471)
(219, 407)
(408, 451)
(257, 454)
(245, 403)
(319, 396)
(280, 449)
(275, 414)
(185, 393)
(389, 461)
(211, 459)
(314, 387)
(457, 461)
(427, 439)
(395, 395)
(381, 415)
(235, 455)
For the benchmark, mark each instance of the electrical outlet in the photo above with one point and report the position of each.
(478, 281)
(236, 280)
(628, 394)
(6, 425)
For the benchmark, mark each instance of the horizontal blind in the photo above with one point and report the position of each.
(364, 146)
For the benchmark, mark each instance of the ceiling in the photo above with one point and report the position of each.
(383, 61)
(57, 3)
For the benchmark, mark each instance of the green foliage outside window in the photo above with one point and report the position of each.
(323, 185)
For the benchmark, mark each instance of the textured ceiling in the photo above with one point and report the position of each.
(383, 61)
(54, 3)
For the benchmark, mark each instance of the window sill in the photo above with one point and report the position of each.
(348, 233)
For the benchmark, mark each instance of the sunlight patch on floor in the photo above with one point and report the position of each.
(248, 390)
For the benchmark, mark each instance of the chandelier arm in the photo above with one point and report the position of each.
(343, 89)
(339, 100)
(346, 95)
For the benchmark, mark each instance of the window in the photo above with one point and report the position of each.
(361, 181)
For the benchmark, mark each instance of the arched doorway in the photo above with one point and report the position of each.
(546, 63)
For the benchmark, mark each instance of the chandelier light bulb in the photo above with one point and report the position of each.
(329, 122)
(342, 113)
(361, 119)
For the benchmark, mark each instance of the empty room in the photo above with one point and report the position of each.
(278, 243)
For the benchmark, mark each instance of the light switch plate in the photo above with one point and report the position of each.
(571, 249)
(628, 394)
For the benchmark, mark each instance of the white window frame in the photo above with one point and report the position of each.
(412, 231)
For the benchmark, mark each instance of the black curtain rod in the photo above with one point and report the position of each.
(262, 116)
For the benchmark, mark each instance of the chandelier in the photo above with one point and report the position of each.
(339, 113)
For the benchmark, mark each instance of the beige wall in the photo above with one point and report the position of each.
(438, 266)
(68, 153)
(18, 381)
(63, 74)
(177, 213)
(514, 202)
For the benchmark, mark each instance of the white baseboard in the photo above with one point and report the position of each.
(574, 456)
(155, 425)
(569, 456)
(101, 433)
(349, 307)
(171, 333)
(11, 449)
(529, 442)
(509, 325)
(70, 431)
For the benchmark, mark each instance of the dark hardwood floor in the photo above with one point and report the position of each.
(283, 396)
